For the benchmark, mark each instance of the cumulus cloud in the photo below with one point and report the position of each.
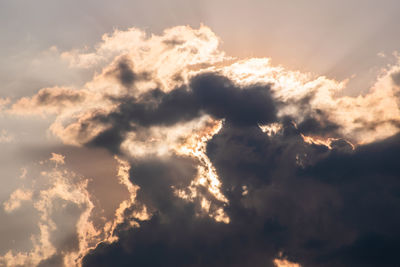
(51, 192)
(16, 198)
(227, 162)
(47, 101)
(67, 221)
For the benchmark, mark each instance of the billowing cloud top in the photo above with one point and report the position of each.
(224, 162)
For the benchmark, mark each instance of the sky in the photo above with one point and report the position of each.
(199, 133)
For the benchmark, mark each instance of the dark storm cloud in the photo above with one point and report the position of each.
(184, 241)
(396, 81)
(207, 94)
(124, 72)
(333, 212)
(156, 178)
(338, 208)
(379, 158)
(54, 261)
(373, 125)
(175, 235)
(53, 97)
(396, 78)
(319, 206)
(314, 121)
(110, 139)
(173, 42)
(322, 127)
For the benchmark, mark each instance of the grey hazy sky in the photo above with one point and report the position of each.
(334, 38)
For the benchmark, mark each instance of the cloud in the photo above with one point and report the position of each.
(57, 158)
(396, 78)
(48, 100)
(16, 198)
(207, 94)
(6, 137)
(3, 103)
(125, 74)
(361, 119)
(225, 162)
(145, 68)
(318, 206)
(285, 263)
(53, 193)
